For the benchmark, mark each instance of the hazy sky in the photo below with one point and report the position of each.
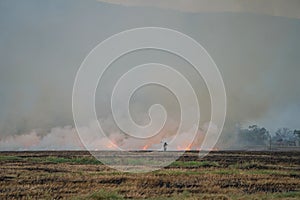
(42, 44)
(284, 8)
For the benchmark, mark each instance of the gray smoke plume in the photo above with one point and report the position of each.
(42, 45)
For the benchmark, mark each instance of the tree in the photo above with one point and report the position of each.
(254, 135)
(285, 135)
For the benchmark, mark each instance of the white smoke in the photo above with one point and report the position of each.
(62, 138)
(257, 56)
(284, 8)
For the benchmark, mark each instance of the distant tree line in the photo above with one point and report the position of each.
(255, 135)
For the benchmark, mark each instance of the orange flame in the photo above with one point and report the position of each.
(188, 148)
(111, 145)
(185, 148)
(145, 147)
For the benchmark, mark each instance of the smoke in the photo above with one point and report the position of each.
(56, 139)
(284, 8)
(42, 46)
(62, 138)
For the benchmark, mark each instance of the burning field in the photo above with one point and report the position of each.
(219, 175)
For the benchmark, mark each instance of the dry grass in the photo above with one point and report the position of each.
(220, 175)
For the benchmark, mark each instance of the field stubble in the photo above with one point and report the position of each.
(219, 175)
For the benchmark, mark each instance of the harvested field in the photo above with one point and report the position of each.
(219, 175)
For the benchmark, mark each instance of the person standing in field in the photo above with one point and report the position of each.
(165, 146)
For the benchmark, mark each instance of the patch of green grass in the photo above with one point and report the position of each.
(9, 158)
(253, 165)
(81, 160)
(293, 194)
(193, 164)
(133, 161)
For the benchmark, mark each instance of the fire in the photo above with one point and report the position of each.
(145, 147)
(111, 145)
(185, 148)
(188, 148)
